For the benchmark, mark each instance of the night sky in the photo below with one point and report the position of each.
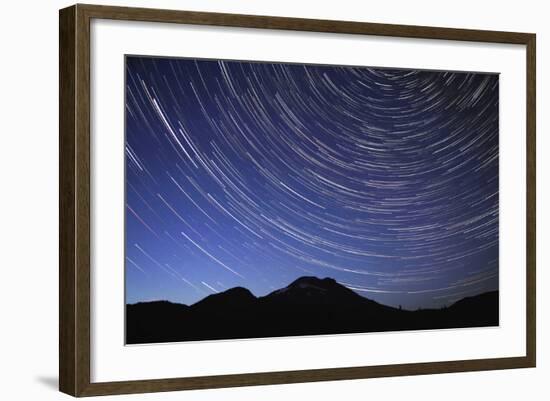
(254, 174)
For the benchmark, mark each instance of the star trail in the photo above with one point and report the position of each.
(253, 174)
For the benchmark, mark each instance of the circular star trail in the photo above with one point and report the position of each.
(253, 174)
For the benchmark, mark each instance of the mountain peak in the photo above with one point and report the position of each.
(312, 280)
(235, 295)
(314, 290)
(238, 291)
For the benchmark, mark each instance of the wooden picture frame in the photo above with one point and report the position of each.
(74, 199)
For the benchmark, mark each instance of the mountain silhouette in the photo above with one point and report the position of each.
(234, 297)
(312, 290)
(307, 306)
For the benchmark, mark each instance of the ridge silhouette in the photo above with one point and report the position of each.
(307, 306)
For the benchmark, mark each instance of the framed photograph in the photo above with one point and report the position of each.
(251, 200)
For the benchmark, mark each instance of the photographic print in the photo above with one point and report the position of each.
(269, 199)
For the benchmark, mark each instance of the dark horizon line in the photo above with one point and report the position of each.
(309, 277)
